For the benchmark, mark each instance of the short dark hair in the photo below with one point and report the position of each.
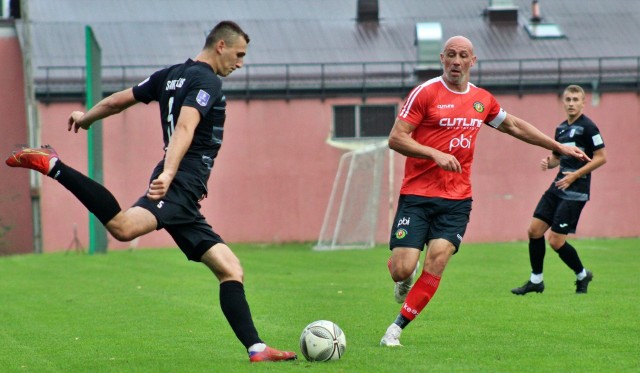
(225, 30)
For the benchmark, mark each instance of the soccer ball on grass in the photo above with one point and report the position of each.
(322, 340)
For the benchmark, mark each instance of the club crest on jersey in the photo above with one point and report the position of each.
(478, 106)
(203, 98)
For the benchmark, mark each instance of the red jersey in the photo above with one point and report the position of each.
(449, 122)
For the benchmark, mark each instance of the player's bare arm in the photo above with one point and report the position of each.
(525, 131)
(108, 106)
(178, 145)
(599, 158)
(401, 141)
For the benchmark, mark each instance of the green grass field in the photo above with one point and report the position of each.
(153, 311)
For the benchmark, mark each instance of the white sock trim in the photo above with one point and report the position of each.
(580, 276)
(536, 278)
(258, 347)
(52, 162)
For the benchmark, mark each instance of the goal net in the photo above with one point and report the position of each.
(351, 218)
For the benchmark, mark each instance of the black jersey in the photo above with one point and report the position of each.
(193, 84)
(584, 134)
(196, 85)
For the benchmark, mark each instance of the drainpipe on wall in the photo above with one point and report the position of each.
(33, 123)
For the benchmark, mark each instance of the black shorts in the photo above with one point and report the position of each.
(179, 214)
(421, 219)
(560, 214)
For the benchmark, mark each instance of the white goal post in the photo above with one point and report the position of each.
(351, 218)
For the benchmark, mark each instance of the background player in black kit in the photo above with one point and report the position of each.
(560, 206)
(192, 112)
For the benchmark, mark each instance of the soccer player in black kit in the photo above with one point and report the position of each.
(192, 112)
(561, 205)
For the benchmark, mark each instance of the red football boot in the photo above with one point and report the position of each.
(271, 354)
(33, 158)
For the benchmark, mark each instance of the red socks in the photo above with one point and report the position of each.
(420, 294)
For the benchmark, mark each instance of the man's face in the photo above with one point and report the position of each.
(573, 103)
(457, 59)
(232, 56)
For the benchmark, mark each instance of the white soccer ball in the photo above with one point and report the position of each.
(322, 340)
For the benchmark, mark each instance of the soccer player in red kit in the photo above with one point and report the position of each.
(436, 130)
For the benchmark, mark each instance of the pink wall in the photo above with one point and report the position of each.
(508, 182)
(16, 227)
(272, 180)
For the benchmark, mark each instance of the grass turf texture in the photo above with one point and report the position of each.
(152, 311)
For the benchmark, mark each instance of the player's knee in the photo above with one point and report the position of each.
(436, 266)
(556, 242)
(237, 273)
(122, 235)
(224, 263)
(230, 273)
(401, 271)
(534, 233)
(537, 228)
(398, 276)
(120, 232)
(131, 224)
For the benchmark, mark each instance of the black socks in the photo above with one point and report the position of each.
(236, 309)
(536, 254)
(401, 321)
(570, 257)
(95, 197)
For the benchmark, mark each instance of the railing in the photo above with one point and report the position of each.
(366, 78)
(601, 73)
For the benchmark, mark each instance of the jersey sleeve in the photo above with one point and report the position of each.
(202, 93)
(148, 90)
(594, 135)
(496, 114)
(413, 110)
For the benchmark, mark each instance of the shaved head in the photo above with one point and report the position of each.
(460, 42)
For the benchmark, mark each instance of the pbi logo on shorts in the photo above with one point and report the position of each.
(403, 221)
(401, 233)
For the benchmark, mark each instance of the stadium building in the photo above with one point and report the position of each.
(321, 78)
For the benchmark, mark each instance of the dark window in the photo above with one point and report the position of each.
(344, 118)
(363, 121)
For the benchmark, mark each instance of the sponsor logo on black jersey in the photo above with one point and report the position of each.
(203, 98)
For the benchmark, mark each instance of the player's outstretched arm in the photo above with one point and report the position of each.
(525, 131)
(108, 106)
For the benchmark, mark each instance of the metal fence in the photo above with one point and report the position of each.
(366, 78)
